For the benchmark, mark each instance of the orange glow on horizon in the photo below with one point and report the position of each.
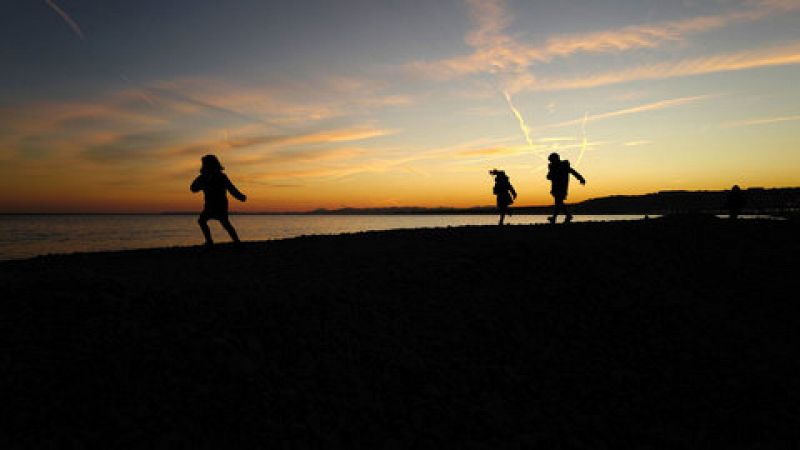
(692, 98)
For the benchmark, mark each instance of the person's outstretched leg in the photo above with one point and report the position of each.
(560, 207)
(229, 228)
(557, 205)
(203, 222)
(567, 215)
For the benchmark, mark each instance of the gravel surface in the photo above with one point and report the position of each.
(662, 333)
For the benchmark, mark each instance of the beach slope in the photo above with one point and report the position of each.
(668, 332)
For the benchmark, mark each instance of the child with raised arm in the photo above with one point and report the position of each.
(558, 173)
(215, 186)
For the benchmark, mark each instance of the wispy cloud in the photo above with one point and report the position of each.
(299, 156)
(637, 143)
(489, 151)
(726, 62)
(761, 121)
(558, 139)
(495, 51)
(125, 147)
(319, 137)
(653, 35)
(536, 149)
(654, 106)
(286, 104)
(405, 160)
(72, 24)
(180, 116)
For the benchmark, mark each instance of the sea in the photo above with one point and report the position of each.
(26, 236)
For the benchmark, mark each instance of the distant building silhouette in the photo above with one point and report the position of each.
(558, 173)
(504, 191)
(215, 186)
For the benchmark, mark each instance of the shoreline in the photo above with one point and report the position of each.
(61, 246)
(186, 234)
(667, 331)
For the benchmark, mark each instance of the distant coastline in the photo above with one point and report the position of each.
(777, 201)
(759, 201)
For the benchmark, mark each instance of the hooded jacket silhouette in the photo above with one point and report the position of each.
(504, 191)
(215, 186)
(558, 173)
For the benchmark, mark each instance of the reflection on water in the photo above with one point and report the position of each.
(25, 236)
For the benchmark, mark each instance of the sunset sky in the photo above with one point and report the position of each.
(107, 106)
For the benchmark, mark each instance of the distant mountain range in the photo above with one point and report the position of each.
(757, 200)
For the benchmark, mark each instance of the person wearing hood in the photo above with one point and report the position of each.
(504, 191)
(558, 173)
(215, 186)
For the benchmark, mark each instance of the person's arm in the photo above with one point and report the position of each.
(197, 184)
(513, 192)
(234, 192)
(577, 175)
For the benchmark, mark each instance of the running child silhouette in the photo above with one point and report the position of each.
(504, 191)
(558, 173)
(214, 185)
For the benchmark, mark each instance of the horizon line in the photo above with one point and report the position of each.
(325, 211)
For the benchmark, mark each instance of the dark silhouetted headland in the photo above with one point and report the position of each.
(759, 201)
(778, 201)
(662, 333)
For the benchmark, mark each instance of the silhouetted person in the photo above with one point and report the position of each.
(558, 172)
(215, 186)
(504, 191)
(735, 201)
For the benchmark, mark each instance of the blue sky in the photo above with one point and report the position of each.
(108, 106)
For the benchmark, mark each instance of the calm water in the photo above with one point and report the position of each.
(25, 236)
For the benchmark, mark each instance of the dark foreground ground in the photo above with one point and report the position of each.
(650, 334)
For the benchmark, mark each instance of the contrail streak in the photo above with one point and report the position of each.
(176, 96)
(522, 125)
(72, 24)
(655, 106)
(746, 123)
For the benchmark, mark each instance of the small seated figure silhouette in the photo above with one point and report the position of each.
(215, 185)
(558, 173)
(735, 202)
(504, 191)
